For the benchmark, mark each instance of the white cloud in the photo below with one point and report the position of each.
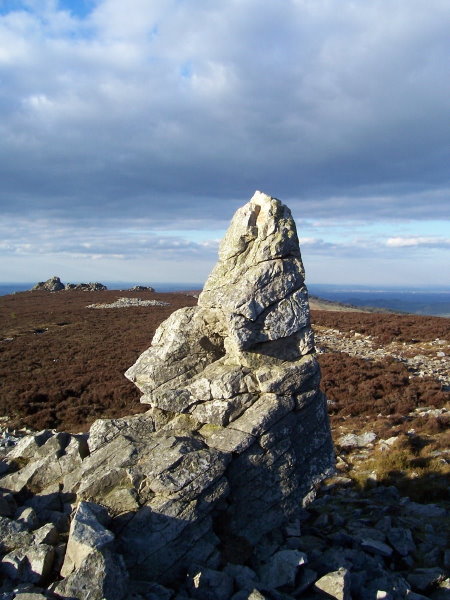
(417, 241)
(42, 237)
(144, 97)
(175, 112)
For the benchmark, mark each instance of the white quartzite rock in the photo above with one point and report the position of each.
(335, 584)
(87, 534)
(235, 440)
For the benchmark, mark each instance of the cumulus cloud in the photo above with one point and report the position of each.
(177, 110)
(418, 242)
(62, 238)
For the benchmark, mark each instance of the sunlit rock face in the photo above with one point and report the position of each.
(241, 366)
(235, 439)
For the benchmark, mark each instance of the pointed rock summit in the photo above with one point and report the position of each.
(252, 322)
(53, 284)
(258, 283)
(235, 440)
(242, 364)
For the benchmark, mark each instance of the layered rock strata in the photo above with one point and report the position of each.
(241, 366)
(235, 440)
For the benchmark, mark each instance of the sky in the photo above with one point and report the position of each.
(130, 132)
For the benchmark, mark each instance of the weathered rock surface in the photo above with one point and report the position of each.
(93, 286)
(53, 284)
(235, 440)
(240, 363)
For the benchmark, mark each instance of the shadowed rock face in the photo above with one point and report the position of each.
(236, 437)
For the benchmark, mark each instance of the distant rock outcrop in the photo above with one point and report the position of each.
(141, 288)
(86, 287)
(53, 284)
(235, 441)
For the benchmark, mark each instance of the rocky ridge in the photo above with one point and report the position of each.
(54, 284)
(237, 437)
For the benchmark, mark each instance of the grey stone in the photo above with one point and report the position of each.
(101, 576)
(141, 288)
(47, 534)
(236, 440)
(13, 535)
(205, 584)
(51, 285)
(352, 440)
(376, 547)
(264, 413)
(93, 286)
(441, 593)
(87, 533)
(379, 580)
(59, 453)
(282, 567)
(335, 584)
(31, 564)
(251, 274)
(227, 439)
(27, 516)
(28, 445)
(181, 348)
(401, 540)
(287, 378)
(447, 558)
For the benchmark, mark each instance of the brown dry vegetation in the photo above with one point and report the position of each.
(64, 365)
(386, 327)
(361, 387)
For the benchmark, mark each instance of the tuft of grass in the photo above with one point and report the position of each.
(410, 467)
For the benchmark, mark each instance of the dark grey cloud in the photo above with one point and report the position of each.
(175, 112)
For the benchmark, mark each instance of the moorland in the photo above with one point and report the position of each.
(62, 366)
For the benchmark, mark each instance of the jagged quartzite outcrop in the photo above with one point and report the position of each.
(93, 286)
(241, 365)
(234, 442)
(54, 284)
